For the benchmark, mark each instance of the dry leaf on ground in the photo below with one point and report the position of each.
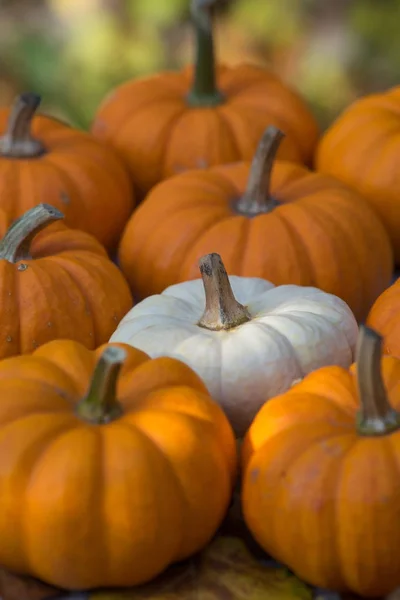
(224, 571)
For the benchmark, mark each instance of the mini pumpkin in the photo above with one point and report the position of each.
(274, 220)
(58, 283)
(320, 489)
(112, 457)
(202, 116)
(43, 159)
(362, 148)
(263, 340)
(384, 316)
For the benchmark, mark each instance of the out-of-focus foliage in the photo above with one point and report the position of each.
(74, 51)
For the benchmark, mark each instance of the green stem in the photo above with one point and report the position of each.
(16, 244)
(222, 310)
(18, 142)
(376, 415)
(257, 198)
(100, 405)
(204, 91)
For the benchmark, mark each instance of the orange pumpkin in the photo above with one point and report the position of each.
(201, 116)
(384, 316)
(362, 148)
(295, 227)
(320, 483)
(59, 284)
(107, 462)
(42, 159)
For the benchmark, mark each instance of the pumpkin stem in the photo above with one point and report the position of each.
(257, 199)
(222, 310)
(100, 404)
(16, 243)
(376, 415)
(204, 90)
(18, 142)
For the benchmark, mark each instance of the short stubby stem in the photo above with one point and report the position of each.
(222, 310)
(257, 198)
(18, 141)
(16, 244)
(376, 415)
(100, 405)
(204, 91)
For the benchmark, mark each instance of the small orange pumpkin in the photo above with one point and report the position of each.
(201, 116)
(384, 316)
(362, 148)
(321, 486)
(295, 227)
(42, 159)
(107, 463)
(58, 283)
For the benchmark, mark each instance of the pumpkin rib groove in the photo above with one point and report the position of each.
(168, 152)
(63, 260)
(310, 448)
(339, 519)
(65, 176)
(37, 449)
(326, 218)
(34, 413)
(55, 261)
(199, 239)
(69, 176)
(180, 496)
(299, 242)
(242, 244)
(224, 118)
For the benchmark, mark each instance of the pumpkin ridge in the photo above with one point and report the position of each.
(167, 142)
(199, 240)
(224, 117)
(57, 261)
(71, 185)
(80, 274)
(326, 218)
(180, 497)
(298, 242)
(35, 451)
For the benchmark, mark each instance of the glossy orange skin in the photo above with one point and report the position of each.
(321, 234)
(384, 317)
(85, 505)
(362, 148)
(149, 122)
(320, 498)
(69, 289)
(83, 178)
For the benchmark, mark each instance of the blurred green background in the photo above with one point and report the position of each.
(73, 52)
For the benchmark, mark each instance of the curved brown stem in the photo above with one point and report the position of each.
(18, 142)
(257, 199)
(376, 415)
(204, 91)
(16, 243)
(100, 405)
(222, 310)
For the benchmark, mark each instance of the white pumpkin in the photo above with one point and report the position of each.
(248, 340)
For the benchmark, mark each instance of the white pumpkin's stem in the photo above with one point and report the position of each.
(100, 404)
(222, 310)
(18, 141)
(376, 415)
(16, 243)
(257, 199)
